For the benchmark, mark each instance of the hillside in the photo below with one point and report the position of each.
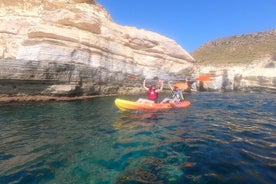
(237, 49)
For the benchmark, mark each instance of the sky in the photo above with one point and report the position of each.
(191, 23)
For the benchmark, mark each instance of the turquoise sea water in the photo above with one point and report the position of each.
(220, 138)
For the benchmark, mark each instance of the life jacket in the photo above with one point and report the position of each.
(152, 95)
(178, 95)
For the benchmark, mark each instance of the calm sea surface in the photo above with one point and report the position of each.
(220, 138)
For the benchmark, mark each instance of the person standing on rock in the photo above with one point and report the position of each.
(152, 92)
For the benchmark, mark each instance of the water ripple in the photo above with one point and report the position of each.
(220, 138)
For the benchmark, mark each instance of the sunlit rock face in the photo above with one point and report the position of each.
(257, 76)
(73, 47)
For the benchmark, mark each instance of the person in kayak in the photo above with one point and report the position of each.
(177, 94)
(152, 92)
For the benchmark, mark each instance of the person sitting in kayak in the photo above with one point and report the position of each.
(152, 93)
(177, 94)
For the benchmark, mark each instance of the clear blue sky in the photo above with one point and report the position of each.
(192, 23)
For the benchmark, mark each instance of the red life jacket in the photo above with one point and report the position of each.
(152, 95)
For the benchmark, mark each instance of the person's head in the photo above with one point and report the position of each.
(156, 78)
(153, 87)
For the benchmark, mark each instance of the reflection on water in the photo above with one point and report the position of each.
(220, 138)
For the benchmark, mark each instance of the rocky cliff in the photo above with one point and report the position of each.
(256, 76)
(241, 63)
(73, 47)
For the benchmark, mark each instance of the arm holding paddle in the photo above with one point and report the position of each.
(170, 85)
(161, 87)
(177, 93)
(144, 85)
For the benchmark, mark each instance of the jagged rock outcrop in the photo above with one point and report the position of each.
(257, 76)
(72, 47)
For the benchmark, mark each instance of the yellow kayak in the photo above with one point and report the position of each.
(133, 105)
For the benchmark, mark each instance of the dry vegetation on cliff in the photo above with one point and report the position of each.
(237, 49)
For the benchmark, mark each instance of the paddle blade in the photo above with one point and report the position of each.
(181, 85)
(204, 78)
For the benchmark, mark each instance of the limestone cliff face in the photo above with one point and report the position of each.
(72, 47)
(256, 76)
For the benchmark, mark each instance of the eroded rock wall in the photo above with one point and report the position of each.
(257, 76)
(73, 47)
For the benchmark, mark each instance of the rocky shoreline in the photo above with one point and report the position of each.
(10, 99)
(48, 57)
(256, 76)
(83, 52)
